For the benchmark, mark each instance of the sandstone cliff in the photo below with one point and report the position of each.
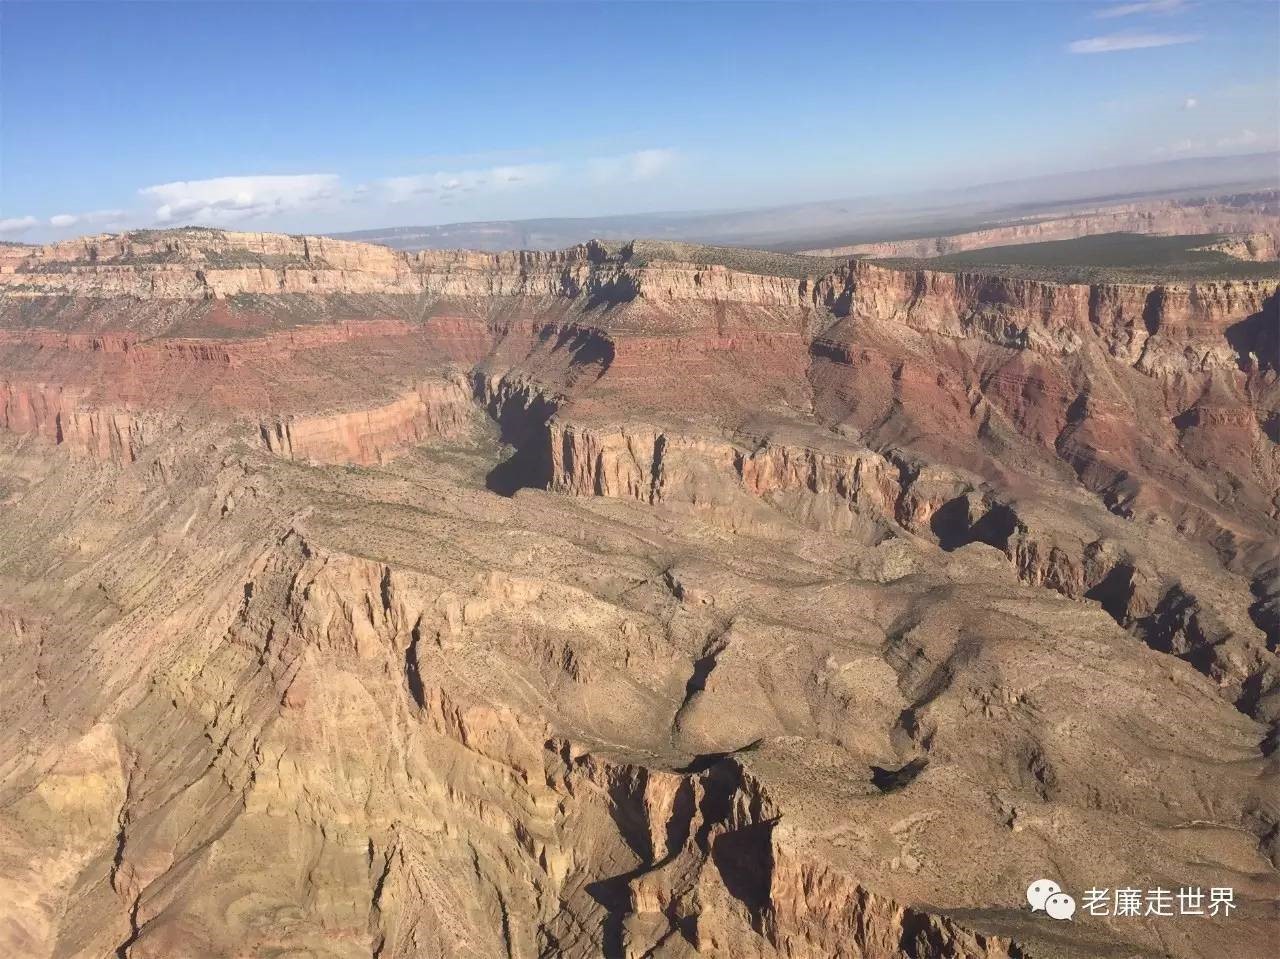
(627, 601)
(1255, 217)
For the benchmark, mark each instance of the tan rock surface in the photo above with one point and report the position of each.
(355, 603)
(1255, 217)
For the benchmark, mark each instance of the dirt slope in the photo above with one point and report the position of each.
(359, 603)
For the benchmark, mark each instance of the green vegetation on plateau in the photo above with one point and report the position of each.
(1105, 258)
(734, 258)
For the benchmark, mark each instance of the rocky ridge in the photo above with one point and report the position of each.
(1251, 216)
(531, 604)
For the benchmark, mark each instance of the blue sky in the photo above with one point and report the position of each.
(325, 116)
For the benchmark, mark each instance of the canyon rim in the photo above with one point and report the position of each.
(727, 479)
(617, 601)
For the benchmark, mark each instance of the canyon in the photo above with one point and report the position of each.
(628, 600)
(1249, 219)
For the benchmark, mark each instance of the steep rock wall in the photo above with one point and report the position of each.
(851, 491)
(1188, 325)
(432, 409)
(872, 497)
(60, 415)
(1259, 213)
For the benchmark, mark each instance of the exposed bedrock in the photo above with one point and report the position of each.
(1241, 215)
(1143, 592)
(1159, 329)
(817, 615)
(431, 410)
(427, 816)
(506, 744)
(60, 415)
(182, 266)
(844, 491)
(874, 496)
(151, 351)
(961, 366)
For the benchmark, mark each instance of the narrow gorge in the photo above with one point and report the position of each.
(628, 600)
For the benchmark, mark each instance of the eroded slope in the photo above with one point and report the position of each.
(358, 603)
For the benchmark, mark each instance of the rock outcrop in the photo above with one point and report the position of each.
(1253, 217)
(431, 410)
(631, 601)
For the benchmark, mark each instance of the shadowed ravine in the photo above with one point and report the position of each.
(608, 602)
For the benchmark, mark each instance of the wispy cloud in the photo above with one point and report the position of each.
(220, 201)
(1190, 103)
(1142, 7)
(228, 198)
(64, 220)
(449, 186)
(1245, 138)
(1181, 148)
(455, 185)
(16, 224)
(631, 167)
(1113, 42)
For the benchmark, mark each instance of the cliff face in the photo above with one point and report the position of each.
(1011, 311)
(431, 410)
(1257, 247)
(988, 374)
(58, 415)
(199, 265)
(1253, 217)
(608, 603)
(1164, 329)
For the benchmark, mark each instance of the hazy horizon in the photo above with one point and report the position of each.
(156, 115)
(882, 216)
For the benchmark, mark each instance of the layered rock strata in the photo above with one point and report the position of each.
(1251, 217)
(355, 603)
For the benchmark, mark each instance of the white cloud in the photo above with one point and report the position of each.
(1181, 147)
(448, 186)
(1237, 141)
(651, 163)
(1190, 103)
(238, 197)
(64, 220)
(1141, 7)
(1244, 138)
(630, 167)
(223, 200)
(16, 224)
(1129, 41)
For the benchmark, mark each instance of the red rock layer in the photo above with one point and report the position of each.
(1133, 389)
(433, 409)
